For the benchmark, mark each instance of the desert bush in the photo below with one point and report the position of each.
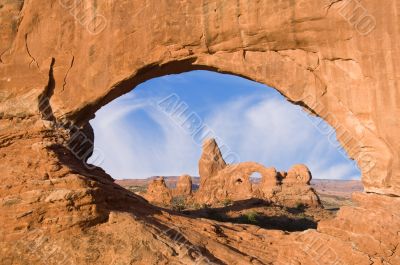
(205, 206)
(250, 217)
(178, 203)
(196, 206)
(300, 206)
(227, 202)
(137, 189)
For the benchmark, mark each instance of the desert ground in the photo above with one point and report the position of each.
(332, 193)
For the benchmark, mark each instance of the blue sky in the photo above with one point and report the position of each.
(140, 138)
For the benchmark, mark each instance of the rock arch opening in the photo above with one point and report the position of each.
(231, 108)
(157, 130)
(256, 177)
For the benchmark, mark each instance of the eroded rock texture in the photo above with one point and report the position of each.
(59, 63)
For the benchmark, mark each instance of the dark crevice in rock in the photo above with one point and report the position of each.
(44, 106)
(331, 4)
(1, 55)
(66, 74)
(381, 194)
(338, 59)
(394, 250)
(29, 52)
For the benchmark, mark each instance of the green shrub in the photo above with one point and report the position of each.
(250, 217)
(300, 206)
(227, 202)
(178, 203)
(196, 206)
(205, 206)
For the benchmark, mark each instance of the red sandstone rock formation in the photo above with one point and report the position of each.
(211, 161)
(298, 174)
(158, 192)
(295, 188)
(56, 70)
(233, 182)
(183, 186)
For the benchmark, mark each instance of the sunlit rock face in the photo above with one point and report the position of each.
(211, 161)
(158, 192)
(183, 186)
(220, 182)
(57, 69)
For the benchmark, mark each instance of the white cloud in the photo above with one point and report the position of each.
(132, 152)
(280, 134)
(335, 171)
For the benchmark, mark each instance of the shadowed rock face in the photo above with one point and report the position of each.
(57, 70)
(232, 182)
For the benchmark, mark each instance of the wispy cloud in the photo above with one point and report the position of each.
(135, 149)
(277, 133)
